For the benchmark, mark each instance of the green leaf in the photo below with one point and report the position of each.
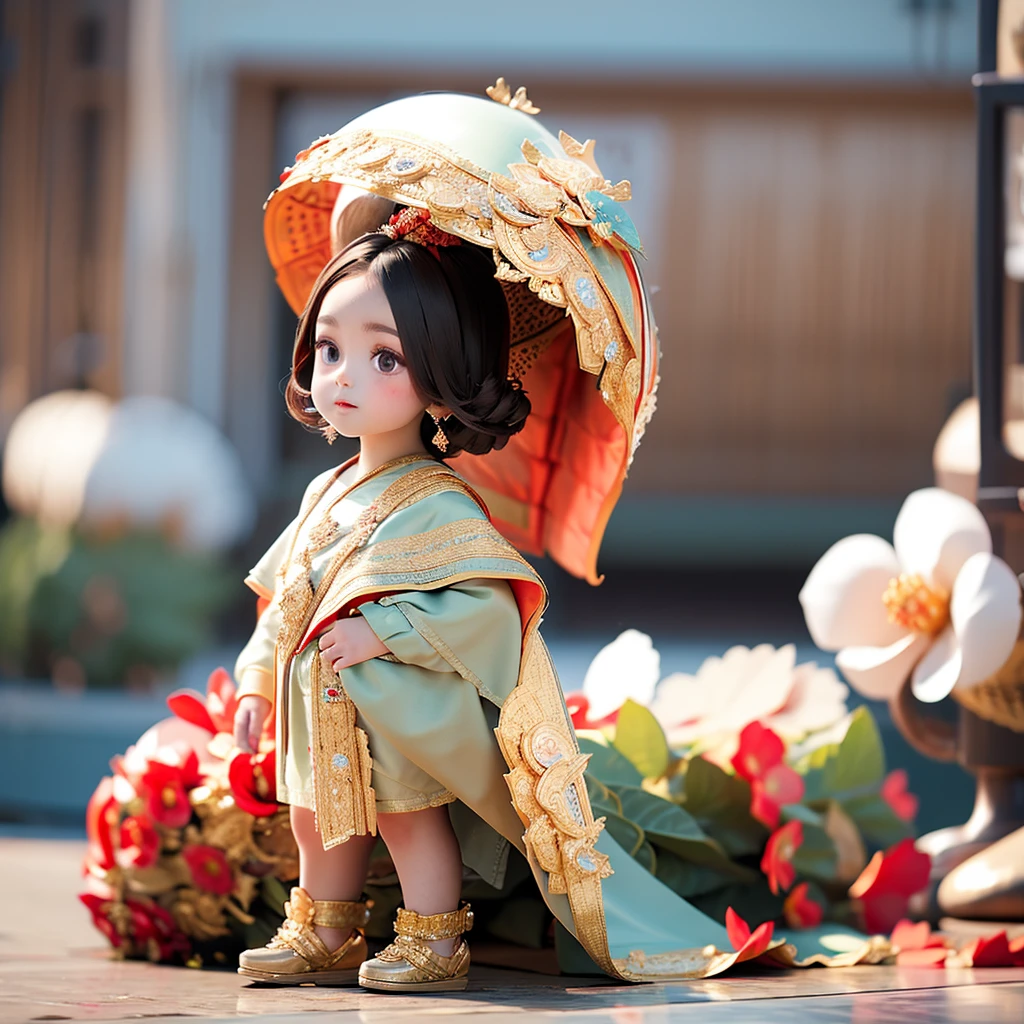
(646, 856)
(876, 820)
(753, 902)
(640, 738)
(816, 856)
(669, 827)
(626, 833)
(721, 804)
(273, 894)
(849, 768)
(608, 765)
(688, 879)
(599, 793)
(799, 812)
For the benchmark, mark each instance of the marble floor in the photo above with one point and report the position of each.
(54, 967)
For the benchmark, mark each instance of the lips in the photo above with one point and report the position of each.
(344, 405)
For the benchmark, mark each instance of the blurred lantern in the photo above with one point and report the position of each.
(76, 458)
(979, 454)
(111, 572)
(50, 449)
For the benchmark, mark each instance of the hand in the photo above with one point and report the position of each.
(349, 642)
(250, 717)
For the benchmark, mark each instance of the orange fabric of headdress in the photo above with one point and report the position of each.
(414, 225)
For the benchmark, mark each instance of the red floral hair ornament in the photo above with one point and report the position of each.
(413, 225)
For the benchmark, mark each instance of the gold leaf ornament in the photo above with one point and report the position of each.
(501, 93)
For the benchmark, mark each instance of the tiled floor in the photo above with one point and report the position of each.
(54, 967)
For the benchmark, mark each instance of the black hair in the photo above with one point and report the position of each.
(453, 322)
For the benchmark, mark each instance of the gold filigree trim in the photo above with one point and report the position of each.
(346, 804)
(423, 561)
(433, 927)
(550, 795)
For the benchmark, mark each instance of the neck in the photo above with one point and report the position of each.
(377, 449)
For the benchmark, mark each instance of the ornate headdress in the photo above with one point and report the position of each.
(565, 250)
(414, 225)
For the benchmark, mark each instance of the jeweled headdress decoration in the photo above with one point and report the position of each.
(414, 225)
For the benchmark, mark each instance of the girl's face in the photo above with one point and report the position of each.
(361, 384)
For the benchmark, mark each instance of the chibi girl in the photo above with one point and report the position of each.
(499, 318)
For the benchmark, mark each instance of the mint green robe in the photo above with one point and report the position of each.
(467, 711)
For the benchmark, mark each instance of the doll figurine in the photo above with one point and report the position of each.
(498, 320)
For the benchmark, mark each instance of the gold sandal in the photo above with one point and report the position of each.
(296, 955)
(410, 965)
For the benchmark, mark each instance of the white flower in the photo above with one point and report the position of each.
(763, 685)
(627, 669)
(936, 603)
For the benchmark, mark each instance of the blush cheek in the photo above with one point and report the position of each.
(397, 394)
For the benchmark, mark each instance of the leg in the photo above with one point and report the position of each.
(428, 861)
(335, 874)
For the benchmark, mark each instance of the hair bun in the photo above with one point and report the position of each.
(487, 420)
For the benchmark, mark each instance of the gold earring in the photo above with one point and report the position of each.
(330, 434)
(439, 440)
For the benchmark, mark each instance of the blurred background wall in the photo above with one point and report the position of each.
(803, 174)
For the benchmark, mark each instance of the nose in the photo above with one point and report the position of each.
(340, 376)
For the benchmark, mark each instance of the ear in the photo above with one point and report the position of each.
(440, 412)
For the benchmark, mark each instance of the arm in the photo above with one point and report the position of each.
(254, 674)
(472, 628)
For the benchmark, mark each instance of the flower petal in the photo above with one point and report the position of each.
(817, 700)
(842, 598)
(627, 668)
(985, 612)
(936, 673)
(985, 621)
(936, 532)
(879, 672)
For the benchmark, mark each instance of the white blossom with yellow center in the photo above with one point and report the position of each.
(936, 603)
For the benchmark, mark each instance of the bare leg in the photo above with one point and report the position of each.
(335, 874)
(428, 861)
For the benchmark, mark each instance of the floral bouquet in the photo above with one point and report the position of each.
(188, 848)
(749, 786)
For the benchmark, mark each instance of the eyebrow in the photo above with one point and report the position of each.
(379, 329)
(371, 327)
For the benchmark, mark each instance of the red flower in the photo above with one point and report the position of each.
(164, 787)
(917, 945)
(215, 712)
(140, 842)
(579, 711)
(772, 782)
(779, 853)
(155, 931)
(101, 917)
(747, 945)
(101, 818)
(253, 782)
(759, 750)
(885, 886)
(779, 785)
(898, 797)
(993, 951)
(211, 871)
(801, 912)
